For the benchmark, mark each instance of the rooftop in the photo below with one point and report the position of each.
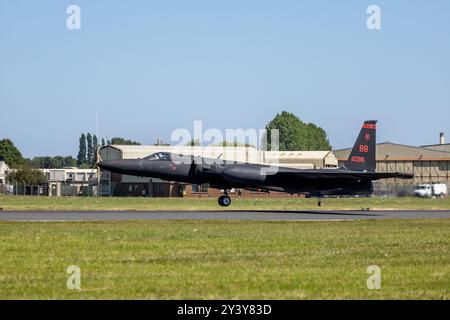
(396, 151)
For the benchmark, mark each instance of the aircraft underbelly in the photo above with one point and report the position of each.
(337, 187)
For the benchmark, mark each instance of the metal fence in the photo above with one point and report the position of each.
(22, 190)
(50, 189)
(107, 189)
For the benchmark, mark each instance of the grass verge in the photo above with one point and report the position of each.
(225, 259)
(18, 203)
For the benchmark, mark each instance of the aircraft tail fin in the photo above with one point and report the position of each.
(363, 155)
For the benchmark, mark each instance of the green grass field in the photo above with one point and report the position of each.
(226, 259)
(140, 204)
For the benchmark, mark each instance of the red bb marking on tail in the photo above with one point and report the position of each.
(363, 148)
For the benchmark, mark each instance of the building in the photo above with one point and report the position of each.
(123, 185)
(441, 146)
(429, 164)
(3, 173)
(71, 181)
(60, 182)
(301, 159)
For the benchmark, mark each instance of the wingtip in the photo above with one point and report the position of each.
(405, 175)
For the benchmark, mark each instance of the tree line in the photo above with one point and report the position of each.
(13, 157)
(88, 148)
(56, 162)
(88, 145)
(24, 173)
(26, 169)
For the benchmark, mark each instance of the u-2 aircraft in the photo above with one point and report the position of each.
(354, 178)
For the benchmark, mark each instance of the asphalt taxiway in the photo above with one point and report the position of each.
(218, 215)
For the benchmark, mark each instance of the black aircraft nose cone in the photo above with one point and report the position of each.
(107, 165)
(121, 166)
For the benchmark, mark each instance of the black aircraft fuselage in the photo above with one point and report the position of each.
(355, 177)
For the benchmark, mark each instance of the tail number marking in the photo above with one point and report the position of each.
(358, 159)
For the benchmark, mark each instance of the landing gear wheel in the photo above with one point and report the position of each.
(224, 201)
(320, 203)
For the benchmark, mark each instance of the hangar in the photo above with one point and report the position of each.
(441, 146)
(123, 185)
(429, 164)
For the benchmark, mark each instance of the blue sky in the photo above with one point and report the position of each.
(150, 67)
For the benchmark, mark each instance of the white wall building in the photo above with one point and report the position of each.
(3, 172)
(69, 181)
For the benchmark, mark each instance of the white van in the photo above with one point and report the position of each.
(431, 190)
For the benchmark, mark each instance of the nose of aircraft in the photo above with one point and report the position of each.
(121, 166)
(106, 165)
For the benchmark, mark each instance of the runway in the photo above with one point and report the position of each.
(218, 215)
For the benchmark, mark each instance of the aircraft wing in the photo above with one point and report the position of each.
(341, 174)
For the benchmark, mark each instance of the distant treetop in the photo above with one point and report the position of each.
(295, 135)
(122, 141)
(232, 144)
(10, 154)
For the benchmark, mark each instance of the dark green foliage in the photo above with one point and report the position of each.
(90, 149)
(122, 141)
(82, 153)
(297, 135)
(27, 175)
(94, 147)
(232, 144)
(193, 143)
(57, 162)
(70, 161)
(10, 154)
(87, 154)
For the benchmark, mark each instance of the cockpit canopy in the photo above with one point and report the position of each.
(160, 156)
